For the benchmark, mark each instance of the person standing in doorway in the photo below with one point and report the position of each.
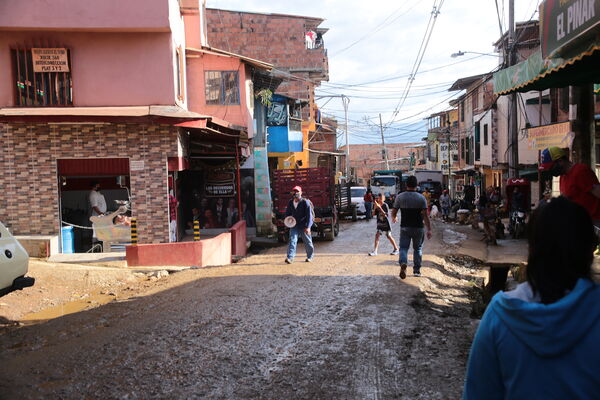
(414, 219)
(173, 204)
(301, 210)
(368, 199)
(96, 200)
(384, 227)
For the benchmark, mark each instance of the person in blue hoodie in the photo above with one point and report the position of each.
(300, 209)
(542, 340)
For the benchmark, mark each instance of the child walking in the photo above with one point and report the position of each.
(384, 227)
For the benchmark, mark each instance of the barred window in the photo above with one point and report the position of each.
(222, 87)
(42, 77)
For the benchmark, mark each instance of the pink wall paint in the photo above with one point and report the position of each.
(118, 15)
(192, 30)
(240, 114)
(108, 69)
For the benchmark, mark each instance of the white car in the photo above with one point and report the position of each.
(357, 194)
(14, 262)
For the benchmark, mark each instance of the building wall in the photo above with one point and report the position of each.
(484, 119)
(105, 15)
(240, 114)
(365, 158)
(108, 69)
(29, 203)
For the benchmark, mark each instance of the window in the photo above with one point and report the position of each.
(49, 83)
(485, 134)
(462, 148)
(462, 111)
(180, 77)
(222, 87)
(475, 99)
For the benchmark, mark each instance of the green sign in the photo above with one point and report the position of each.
(567, 22)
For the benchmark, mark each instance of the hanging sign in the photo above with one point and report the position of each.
(220, 184)
(541, 137)
(50, 60)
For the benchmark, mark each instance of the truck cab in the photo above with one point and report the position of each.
(389, 185)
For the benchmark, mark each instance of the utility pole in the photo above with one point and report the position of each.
(513, 128)
(385, 154)
(448, 131)
(345, 101)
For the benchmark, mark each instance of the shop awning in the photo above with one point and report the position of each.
(537, 73)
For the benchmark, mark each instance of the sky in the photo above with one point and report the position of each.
(373, 47)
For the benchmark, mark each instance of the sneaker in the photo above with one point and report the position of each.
(288, 261)
(402, 271)
(373, 253)
(417, 273)
(395, 253)
(309, 260)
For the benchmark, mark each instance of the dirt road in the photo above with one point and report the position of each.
(343, 327)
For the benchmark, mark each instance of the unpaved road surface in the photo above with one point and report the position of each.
(342, 327)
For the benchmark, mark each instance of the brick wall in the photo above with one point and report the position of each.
(274, 38)
(29, 198)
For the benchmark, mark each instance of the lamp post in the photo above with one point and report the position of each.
(448, 137)
(462, 53)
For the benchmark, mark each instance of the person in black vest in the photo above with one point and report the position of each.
(300, 209)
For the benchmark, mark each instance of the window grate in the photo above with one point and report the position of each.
(39, 89)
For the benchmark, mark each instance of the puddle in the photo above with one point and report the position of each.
(67, 308)
(452, 237)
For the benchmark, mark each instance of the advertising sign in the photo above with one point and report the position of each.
(220, 184)
(545, 136)
(563, 21)
(50, 60)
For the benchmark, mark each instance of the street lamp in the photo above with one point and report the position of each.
(462, 53)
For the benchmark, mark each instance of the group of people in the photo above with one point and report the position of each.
(215, 215)
(414, 225)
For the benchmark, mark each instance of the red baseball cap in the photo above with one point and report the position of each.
(297, 189)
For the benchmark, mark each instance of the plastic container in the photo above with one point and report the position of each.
(68, 245)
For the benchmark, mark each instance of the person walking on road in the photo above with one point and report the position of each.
(368, 199)
(540, 340)
(301, 210)
(383, 224)
(414, 219)
(445, 204)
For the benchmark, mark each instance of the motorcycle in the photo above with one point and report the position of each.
(517, 224)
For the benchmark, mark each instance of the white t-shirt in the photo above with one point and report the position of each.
(97, 200)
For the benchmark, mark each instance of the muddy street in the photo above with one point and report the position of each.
(344, 326)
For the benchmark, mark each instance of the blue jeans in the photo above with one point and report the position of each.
(417, 235)
(306, 238)
(368, 209)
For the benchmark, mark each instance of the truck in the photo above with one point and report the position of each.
(429, 179)
(318, 186)
(388, 182)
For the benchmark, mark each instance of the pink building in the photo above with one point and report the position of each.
(95, 90)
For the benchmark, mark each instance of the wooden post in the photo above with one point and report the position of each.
(196, 230)
(134, 235)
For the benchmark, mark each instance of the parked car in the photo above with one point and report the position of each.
(358, 194)
(14, 262)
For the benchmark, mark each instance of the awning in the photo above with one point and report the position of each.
(537, 73)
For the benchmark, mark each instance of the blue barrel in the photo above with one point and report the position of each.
(68, 246)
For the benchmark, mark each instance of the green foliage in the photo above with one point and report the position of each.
(265, 96)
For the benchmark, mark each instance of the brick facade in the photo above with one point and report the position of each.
(274, 38)
(29, 203)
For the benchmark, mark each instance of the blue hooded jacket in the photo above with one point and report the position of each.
(529, 350)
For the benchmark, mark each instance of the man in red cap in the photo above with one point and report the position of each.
(578, 182)
(300, 209)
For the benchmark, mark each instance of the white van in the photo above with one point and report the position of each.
(14, 262)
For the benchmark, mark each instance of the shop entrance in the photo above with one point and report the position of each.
(75, 178)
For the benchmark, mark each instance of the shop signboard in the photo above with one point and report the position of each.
(565, 22)
(220, 184)
(50, 60)
(544, 136)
